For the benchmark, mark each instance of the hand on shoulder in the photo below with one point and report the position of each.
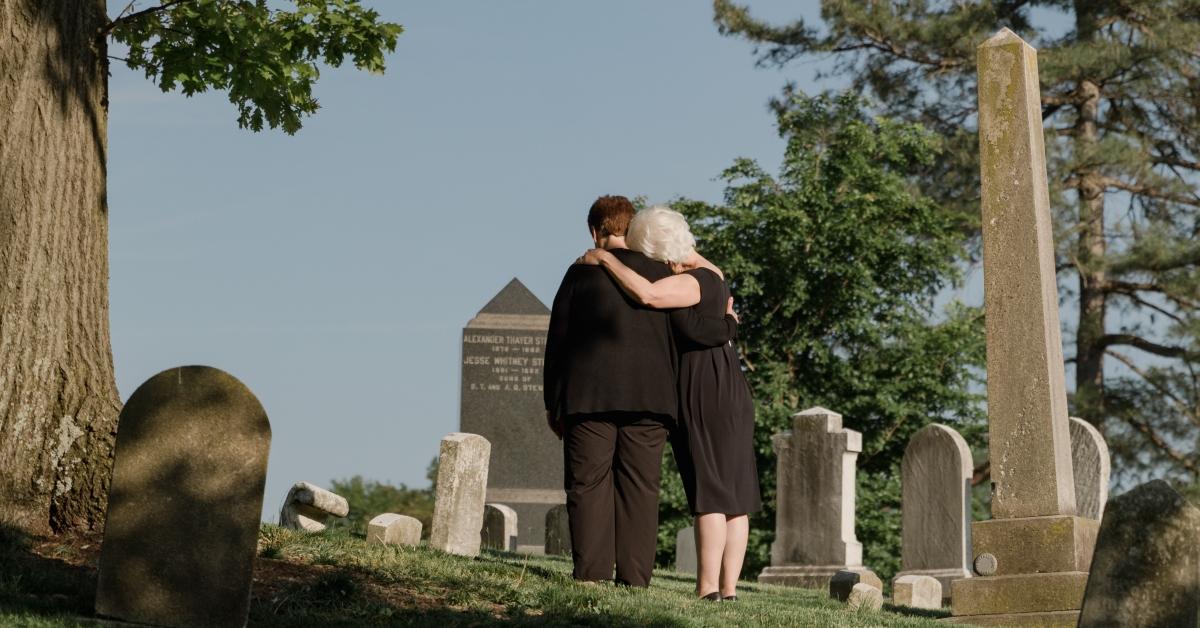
(592, 257)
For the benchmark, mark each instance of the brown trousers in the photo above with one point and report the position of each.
(613, 464)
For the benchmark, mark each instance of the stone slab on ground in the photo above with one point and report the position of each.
(1053, 619)
(843, 582)
(307, 507)
(1146, 569)
(1033, 593)
(394, 529)
(865, 596)
(185, 502)
(461, 486)
(916, 591)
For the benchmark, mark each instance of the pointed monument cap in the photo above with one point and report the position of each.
(1004, 37)
(514, 307)
(515, 298)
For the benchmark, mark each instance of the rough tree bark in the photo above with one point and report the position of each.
(1091, 246)
(58, 397)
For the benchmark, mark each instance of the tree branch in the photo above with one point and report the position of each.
(122, 20)
(1179, 404)
(1138, 342)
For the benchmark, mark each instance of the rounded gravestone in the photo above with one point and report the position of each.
(185, 501)
(935, 482)
(558, 530)
(1091, 467)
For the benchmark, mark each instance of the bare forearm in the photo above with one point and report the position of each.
(633, 284)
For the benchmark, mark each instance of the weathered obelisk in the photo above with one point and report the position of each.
(1034, 554)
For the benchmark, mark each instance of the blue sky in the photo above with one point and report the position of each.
(333, 271)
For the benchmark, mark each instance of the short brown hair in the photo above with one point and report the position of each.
(610, 215)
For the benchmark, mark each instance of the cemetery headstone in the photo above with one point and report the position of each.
(916, 591)
(185, 502)
(499, 528)
(935, 476)
(503, 350)
(458, 504)
(558, 530)
(1146, 570)
(1038, 549)
(685, 550)
(307, 507)
(393, 529)
(814, 520)
(1090, 463)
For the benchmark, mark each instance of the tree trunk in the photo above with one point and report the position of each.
(58, 397)
(1091, 245)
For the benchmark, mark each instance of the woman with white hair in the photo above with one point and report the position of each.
(714, 438)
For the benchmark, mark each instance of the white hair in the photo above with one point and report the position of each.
(661, 233)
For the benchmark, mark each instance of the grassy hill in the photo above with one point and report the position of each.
(334, 579)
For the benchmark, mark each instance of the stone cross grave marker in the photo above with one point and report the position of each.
(502, 353)
(1035, 548)
(185, 502)
(458, 504)
(1090, 463)
(935, 480)
(814, 520)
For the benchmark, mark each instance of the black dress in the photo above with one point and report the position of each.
(714, 438)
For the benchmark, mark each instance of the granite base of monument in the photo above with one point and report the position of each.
(1036, 571)
(807, 576)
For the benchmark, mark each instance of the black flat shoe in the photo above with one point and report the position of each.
(729, 598)
(715, 596)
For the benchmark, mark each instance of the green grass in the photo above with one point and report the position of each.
(333, 579)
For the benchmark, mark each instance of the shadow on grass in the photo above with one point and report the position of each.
(35, 585)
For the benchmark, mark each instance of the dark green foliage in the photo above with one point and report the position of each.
(368, 499)
(834, 265)
(1120, 86)
(266, 58)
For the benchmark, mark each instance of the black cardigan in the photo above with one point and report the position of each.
(607, 353)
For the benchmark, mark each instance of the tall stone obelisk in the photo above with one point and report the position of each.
(1034, 554)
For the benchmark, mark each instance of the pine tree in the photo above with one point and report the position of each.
(1120, 98)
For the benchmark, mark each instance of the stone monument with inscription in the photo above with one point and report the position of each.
(502, 353)
(1033, 556)
(814, 519)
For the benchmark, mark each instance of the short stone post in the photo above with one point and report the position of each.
(185, 502)
(916, 591)
(1089, 460)
(935, 477)
(499, 528)
(307, 507)
(558, 530)
(814, 518)
(461, 484)
(393, 529)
